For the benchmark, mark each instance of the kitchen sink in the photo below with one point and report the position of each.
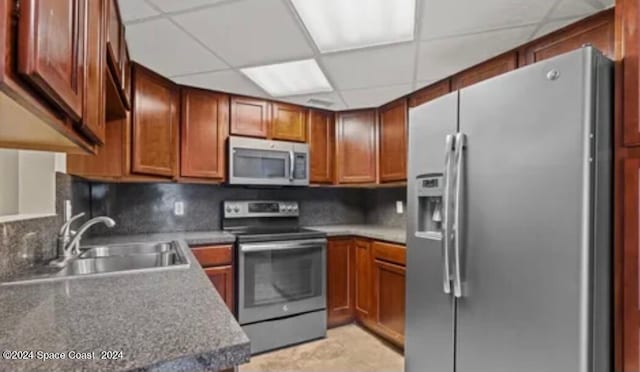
(114, 259)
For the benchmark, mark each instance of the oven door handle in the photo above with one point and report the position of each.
(283, 245)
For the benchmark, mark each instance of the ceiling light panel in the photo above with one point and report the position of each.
(338, 25)
(290, 78)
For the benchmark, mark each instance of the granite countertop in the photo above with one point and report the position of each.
(386, 233)
(160, 321)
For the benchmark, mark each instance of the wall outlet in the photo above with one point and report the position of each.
(399, 207)
(178, 208)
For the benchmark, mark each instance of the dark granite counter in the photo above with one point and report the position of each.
(159, 321)
(386, 233)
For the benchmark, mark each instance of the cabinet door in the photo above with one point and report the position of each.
(205, 123)
(393, 141)
(429, 93)
(114, 39)
(93, 118)
(493, 67)
(125, 69)
(597, 30)
(389, 300)
(356, 153)
(50, 45)
(631, 251)
(321, 145)
(249, 117)
(363, 290)
(156, 103)
(340, 283)
(288, 122)
(222, 279)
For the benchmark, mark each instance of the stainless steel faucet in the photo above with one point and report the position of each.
(69, 242)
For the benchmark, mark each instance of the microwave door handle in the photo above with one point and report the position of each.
(292, 165)
(458, 231)
(446, 211)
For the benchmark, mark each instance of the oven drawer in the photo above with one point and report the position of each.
(213, 255)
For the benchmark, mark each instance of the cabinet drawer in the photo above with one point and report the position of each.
(213, 255)
(390, 252)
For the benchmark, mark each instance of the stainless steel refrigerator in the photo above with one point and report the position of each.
(509, 219)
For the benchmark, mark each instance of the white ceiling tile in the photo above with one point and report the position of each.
(441, 58)
(374, 97)
(606, 3)
(389, 65)
(178, 5)
(553, 25)
(572, 8)
(454, 17)
(163, 47)
(136, 9)
(249, 32)
(229, 81)
(327, 97)
(423, 83)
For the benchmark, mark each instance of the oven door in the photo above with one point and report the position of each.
(281, 278)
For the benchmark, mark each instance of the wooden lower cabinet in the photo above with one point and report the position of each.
(362, 279)
(388, 295)
(366, 283)
(340, 283)
(222, 279)
(218, 264)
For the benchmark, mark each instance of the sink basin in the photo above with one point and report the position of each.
(126, 250)
(115, 259)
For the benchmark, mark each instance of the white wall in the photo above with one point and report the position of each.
(28, 183)
(8, 182)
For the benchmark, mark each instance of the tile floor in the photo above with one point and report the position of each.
(346, 349)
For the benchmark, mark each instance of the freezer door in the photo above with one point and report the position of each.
(526, 259)
(429, 343)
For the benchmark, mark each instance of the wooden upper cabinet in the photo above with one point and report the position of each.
(288, 122)
(321, 145)
(125, 69)
(393, 141)
(50, 51)
(363, 279)
(429, 93)
(114, 38)
(249, 117)
(155, 124)
(597, 30)
(483, 71)
(93, 117)
(340, 283)
(356, 150)
(204, 130)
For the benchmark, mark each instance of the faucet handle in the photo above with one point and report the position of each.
(64, 230)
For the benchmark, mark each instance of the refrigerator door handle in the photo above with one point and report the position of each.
(458, 229)
(446, 213)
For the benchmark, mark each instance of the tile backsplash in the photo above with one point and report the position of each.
(141, 208)
(380, 208)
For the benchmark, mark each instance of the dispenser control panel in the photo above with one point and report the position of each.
(430, 186)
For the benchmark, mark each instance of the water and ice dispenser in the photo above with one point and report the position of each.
(429, 191)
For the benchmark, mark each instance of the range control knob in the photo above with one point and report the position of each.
(236, 209)
(228, 209)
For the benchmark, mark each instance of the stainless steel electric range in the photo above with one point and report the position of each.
(281, 273)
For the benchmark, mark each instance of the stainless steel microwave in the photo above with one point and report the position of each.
(264, 162)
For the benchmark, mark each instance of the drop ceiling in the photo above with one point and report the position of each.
(206, 43)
